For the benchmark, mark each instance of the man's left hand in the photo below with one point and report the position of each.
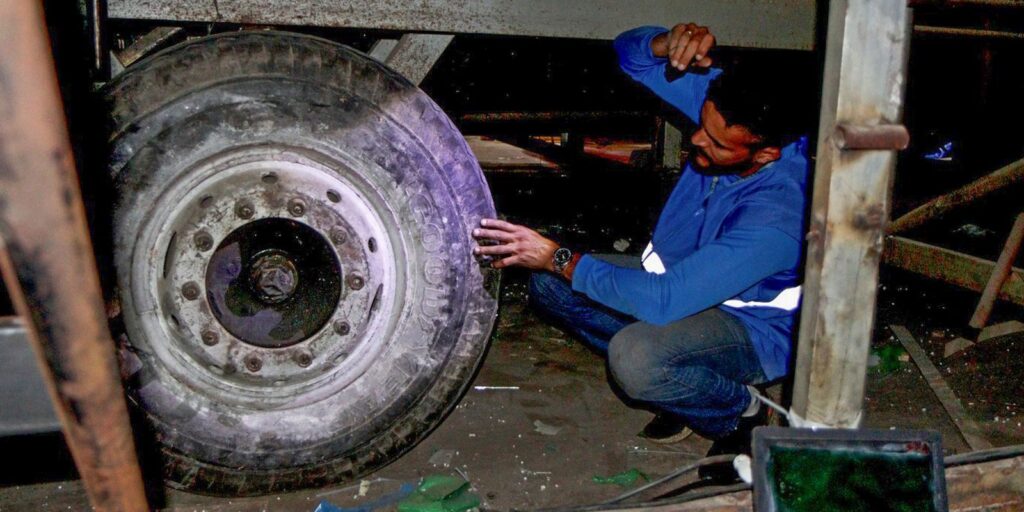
(517, 245)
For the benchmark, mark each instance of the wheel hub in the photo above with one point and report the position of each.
(278, 276)
(274, 277)
(273, 282)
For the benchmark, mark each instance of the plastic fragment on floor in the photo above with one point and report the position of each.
(625, 479)
(441, 493)
(384, 502)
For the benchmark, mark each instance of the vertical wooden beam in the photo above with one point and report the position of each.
(865, 65)
(49, 268)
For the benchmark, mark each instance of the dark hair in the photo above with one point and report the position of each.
(775, 105)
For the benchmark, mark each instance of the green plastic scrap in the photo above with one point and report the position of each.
(888, 358)
(624, 479)
(440, 493)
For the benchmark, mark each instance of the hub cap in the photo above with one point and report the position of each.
(275, 273)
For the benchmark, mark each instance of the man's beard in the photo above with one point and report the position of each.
(716, 170)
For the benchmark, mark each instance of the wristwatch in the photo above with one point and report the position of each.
(561, 259)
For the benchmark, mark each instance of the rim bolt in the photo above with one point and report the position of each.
(253, 363)
(354, 282)
(296, 207)
(244, 209)
(203, 241)
(303, 359)
(210, 338)
(341, 327)
(338, 236)
(190, 290)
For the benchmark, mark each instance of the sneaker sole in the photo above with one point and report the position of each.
(686, 432)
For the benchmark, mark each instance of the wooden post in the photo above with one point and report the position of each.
(865, 66)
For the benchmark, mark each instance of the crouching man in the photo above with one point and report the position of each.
(708, 311)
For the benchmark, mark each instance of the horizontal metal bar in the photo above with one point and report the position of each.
(785, 24)
(999, 179)
(879, 137)
(25, 406)
(549, 117)
(968, 32)
(963, 270)
(967, 3)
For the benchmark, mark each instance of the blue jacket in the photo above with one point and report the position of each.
(727, 242)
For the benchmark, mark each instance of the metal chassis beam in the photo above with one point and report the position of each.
(783, 24)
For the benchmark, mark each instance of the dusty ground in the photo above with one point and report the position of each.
(493, 436)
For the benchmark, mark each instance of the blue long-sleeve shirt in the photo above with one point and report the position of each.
(732, 243)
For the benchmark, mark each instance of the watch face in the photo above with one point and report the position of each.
(562, 256)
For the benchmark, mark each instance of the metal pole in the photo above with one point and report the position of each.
(49, 266)
(999, 179)
(1004, 266)
(865, 69)
(967, 3)
(968, 32)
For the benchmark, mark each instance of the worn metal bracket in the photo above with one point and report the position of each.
(885, 137)
(414, 55)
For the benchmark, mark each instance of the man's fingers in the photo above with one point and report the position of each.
(495, 249)
(505, 262)
(706, 42)
(494, 234)
(499, 224)
(676, 55)
(686, 56)
(680, 36)
(705, 62)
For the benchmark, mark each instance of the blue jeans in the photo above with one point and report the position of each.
(696, 368)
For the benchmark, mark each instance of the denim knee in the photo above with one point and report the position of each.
(546, 290)
(636, 364)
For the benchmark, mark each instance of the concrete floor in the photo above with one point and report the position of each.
(540, 445)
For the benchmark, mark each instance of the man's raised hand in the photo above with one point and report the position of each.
(685, 45)
(517, 245)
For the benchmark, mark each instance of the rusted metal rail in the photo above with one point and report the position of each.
(49, 267)
(1003, 177)
(966, 271)
(967, 3)
(550, 117)
(1001, 271)
(968, 32)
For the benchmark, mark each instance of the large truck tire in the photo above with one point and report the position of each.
(292, 236)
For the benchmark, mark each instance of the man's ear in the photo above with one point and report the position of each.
(767, 155)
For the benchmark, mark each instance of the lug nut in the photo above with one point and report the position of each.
(203, 241)
(341, 327)
(354, 282)
(253, 363)
(190, 290)
(244, 209)
(338, 236)
(303, 359)
(296, 207)
(210, 338)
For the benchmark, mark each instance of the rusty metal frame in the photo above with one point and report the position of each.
(785, 24)
(48, 265)
(952, 267)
